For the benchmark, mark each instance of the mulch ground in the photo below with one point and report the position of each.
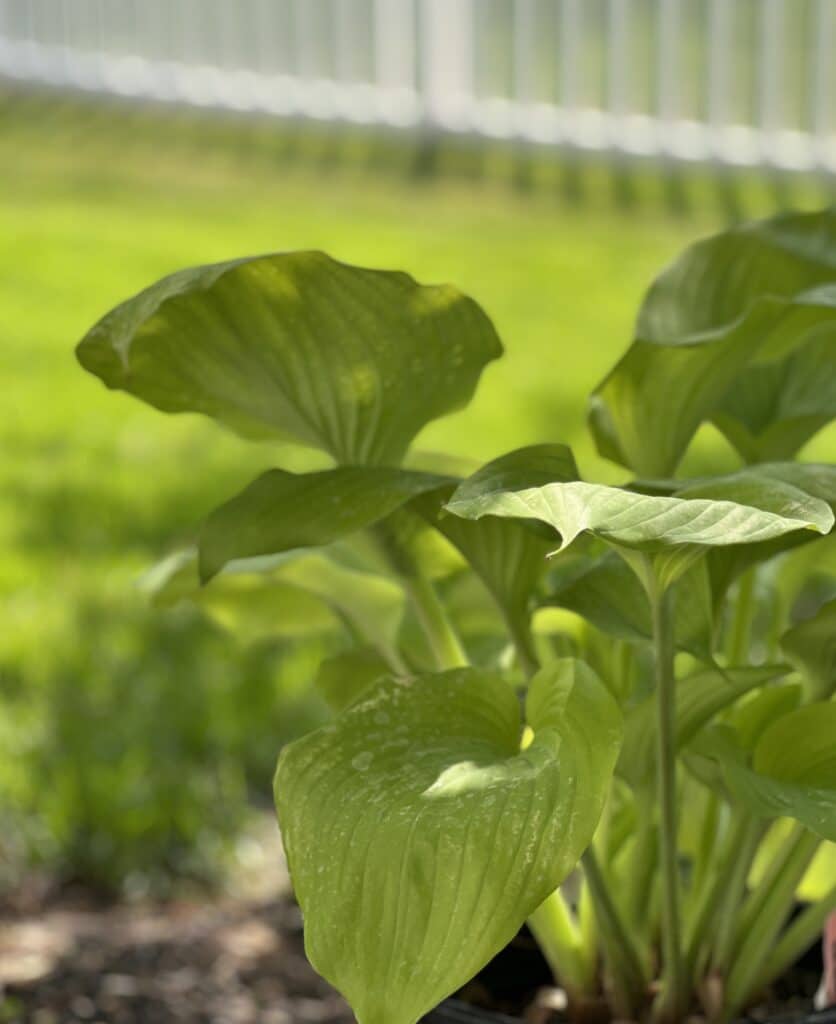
(235, 962)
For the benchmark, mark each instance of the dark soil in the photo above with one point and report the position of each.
(234, 962)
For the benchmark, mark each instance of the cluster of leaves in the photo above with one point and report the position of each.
(665, 791)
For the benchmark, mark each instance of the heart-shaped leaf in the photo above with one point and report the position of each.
(811, 647)
(281, 511)
(699, 697)
(753, 293)
(298, 345)
(420, 836)
(792, 769)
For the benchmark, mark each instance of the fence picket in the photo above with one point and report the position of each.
(412, 64)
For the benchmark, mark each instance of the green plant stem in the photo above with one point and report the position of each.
(523, 646)
(623, 958)
(711, 896)
(671, 1000)
(708, 840)
(771, 878)
(744, 846)
(744, 610)
(796, 940)
(624, 657)
(445, 644)
(765, 913)
(558, 936)
(588, 927)
(643, 863)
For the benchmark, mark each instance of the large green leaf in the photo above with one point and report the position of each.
(420, 836)
(751, 294)
(653, 523)
(772, 409)
(792, 769)
(699, 697)
(811, 647)
(281, 511)
(298, 345)
(509, 558)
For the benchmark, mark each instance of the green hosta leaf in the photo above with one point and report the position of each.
(369, 605)
(281, 511)
(521, 469)
(298, 345)
(344, 677)
(743, 725)
(752, 294)
(792, 769)
(699, 698)
(609, 595)
(372, 606)
(773, 409)
(509, 558)
(811, 647)
(252, 605)
(651, 523)
(752, 717)
(419, 836)
(780, 487)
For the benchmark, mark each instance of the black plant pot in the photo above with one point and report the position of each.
(453, 1012)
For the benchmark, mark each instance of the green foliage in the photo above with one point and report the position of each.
(811, 646)
(298, 345)
(739, 329)
(429, 820)
(648, 523)
(281, 511)
(425, 780)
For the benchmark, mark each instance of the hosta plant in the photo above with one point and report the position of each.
(606, 711)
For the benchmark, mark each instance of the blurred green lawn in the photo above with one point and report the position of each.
(130, 735)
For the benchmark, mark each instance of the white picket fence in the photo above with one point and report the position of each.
(732, 82)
